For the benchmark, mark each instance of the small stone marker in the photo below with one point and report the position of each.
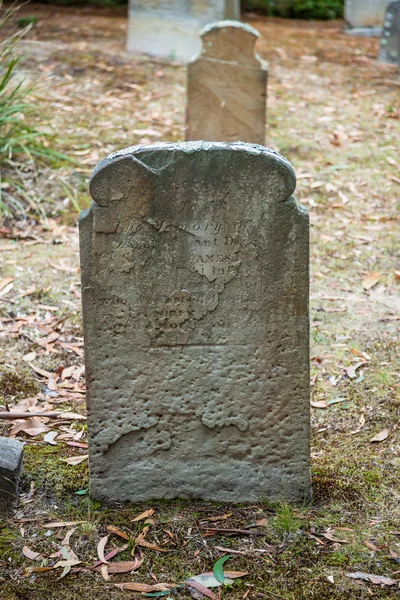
(194, 262)
(11, 452)
(390, 41)
(170, 28)
(365, 17)
(226, 86)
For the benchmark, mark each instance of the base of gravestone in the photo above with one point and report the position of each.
(11, 452)
(364, 31)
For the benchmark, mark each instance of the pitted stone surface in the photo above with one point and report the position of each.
(227, 86)
(390, 41)
(194, 261)
(170, 28)
(11, 452)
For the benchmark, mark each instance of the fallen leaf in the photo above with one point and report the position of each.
(145, 587)
(40, 371)
(117, 531)
(201, 588)
(5, 282)
(370, 545)
(371, 280)
(67, 537)
(351, 371)
(381, 436)
(101, 547)
(378, 579)
(50, 438)
(319, 404)
(30, 553)
(220, 518)
(75, 460)
(29, 357)
(124, 566)
(141, 542)
(218, 569)
(31, 427)
(144, 515)
(61, 524)
(104, 572)
(332, 538)
(208, 580)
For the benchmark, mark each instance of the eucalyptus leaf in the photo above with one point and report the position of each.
(219, 568)
(209, 581)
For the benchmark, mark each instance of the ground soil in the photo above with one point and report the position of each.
(333, 111)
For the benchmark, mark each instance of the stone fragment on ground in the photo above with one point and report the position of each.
(11, 452)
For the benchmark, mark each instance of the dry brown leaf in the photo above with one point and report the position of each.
(30, 426)
(378, 579)
(144, 515)
(5, 281)
(124, 566)
(372, 279)
(61, 524)
(104, 572)
(141, 542)
(145, 587)
(118, 531)
(202, 589)
(66, 563)
(330, 536)
(351, 371)
(101, 547)
(75, 460)
(319, 404)
(30, 553)
(381, 436)
(229, 574)
(66, 540)
(220, 518)
(40, 371)
(39, 569)
(371, 546)
(50, 438)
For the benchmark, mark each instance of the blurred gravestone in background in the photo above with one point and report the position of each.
(365, 17)
(194, 262)
(227, 86)
(390, 41)
(170, 28)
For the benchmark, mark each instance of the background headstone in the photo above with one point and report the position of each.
(11, 452)
(170, 28)
(194, 262)
(390, 41)
(365, 17)
(227, 86)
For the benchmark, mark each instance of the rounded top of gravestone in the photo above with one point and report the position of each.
(168, 165)
(232, 41)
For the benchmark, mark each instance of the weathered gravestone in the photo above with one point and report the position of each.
(365, 17)
(194, 261)
(170, 28)
(227, 86)
(11, 452)
(390, 41)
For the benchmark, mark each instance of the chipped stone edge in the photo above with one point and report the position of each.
(229, 23)
(191, 148)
